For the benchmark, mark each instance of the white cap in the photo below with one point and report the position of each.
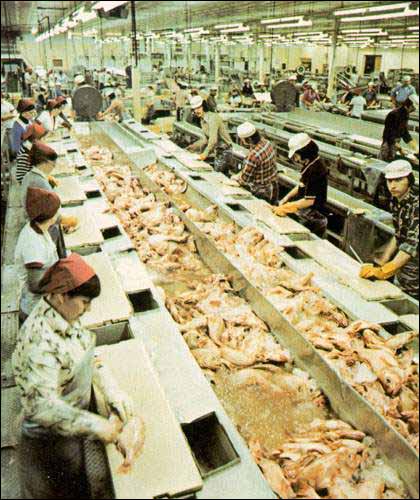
(398, 169)
(78, 79)
(196, 102)
(407, 78)
(214, 88)
(298, 142)
(292, 77)
(371, 83)
(246, 130)
(415, 100)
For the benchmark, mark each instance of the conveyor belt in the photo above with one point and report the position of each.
(346, 402)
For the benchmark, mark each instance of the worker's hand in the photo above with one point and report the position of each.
(69, 223)
(413, 146)
(53, 181)
(202, 157)
(285, 209)
(111, 429)
(119, 403)
(372, 272)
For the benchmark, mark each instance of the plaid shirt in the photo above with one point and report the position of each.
(260, 168)
(405, 215)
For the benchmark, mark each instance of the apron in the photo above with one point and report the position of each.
(50, 465)
(408, 278)
(223, 158)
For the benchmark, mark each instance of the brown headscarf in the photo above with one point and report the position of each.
(41, 203)
(41, 152)
(66, 275)
(52, 104)
(25, 105)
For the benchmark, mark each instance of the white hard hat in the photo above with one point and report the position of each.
(78, 79)
(196, 102)
(246, 130)
(407, 78)
(398, 169)
(292, 77)
(415, 100)
(298, 142)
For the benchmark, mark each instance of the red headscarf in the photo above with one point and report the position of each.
(52, 104)
(41, 203)
(41, 152)
(66, 275)
(25, 105)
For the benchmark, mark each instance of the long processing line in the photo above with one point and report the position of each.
(202, 194)
(350, 217)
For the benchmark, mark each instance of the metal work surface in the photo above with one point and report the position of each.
(344, 399)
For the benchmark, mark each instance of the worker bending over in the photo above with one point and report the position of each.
(396, 128)
(405, 244)
(259, 172)
(312, 188)
(116, 108)
(216, 138)
(55, 366)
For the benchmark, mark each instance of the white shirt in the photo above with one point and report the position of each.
(358, 102)
(48, 122)
(6, 108)
(32, 247)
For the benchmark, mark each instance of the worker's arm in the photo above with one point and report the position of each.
(290, 195)
(390, 250)
(115, 399)
(40, 379)
(304, 203)
(214, 124)
(15, 138)
(34, 271)
(198, 145)
(7, 116)
(247, 174)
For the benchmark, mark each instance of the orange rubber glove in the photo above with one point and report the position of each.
(287, 208)
(53, 181)
(202, 157)
(69, 223)
(369, 271)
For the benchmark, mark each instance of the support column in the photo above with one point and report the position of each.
(137, 104)
(216, 63)
(332, 62)
(260, 62)
(207, 53)
(189, 57)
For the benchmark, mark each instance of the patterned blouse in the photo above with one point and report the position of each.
(49, 354)
(405, 216)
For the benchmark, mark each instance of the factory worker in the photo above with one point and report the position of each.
(116, 108)
(357, 105)
(401, 258)
(8, 111)
(347, 96)
(371, 95)
(311, 192)
(259, 172)
(211, 99)
(402, 92)
(35, 250)
(55, 366)
(396, 128)
(24, 163)
(27, 113)
(309, 97)
(235, 99)
(217, 139)
(181, 98)
(247, 89)
(62, 103)
(49, 118)
(41, 99)
(43, 160)
(79, 81)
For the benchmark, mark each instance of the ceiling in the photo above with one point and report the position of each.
(180, 15)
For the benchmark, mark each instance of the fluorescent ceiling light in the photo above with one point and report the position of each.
(394, 15)
(107, 6)
(413, 28)
(223, 26)
(193, 30)
(290, 25)
(280, 20)
(395, 6)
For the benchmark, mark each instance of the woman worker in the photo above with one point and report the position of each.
(35, 251)
(43, 162)
(54, 367)
(401, 259)
(216, 138)
(49, 117)
(312, 188)
(24, 163)
(27, 113)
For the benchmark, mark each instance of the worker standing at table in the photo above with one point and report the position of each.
(312, 189)
(49, 118)
(396, 128)
(55, 366)
(27, 114)
(217, 138)
(259, 172)
(402, 92)
(35, 250)
(371, 96)
(401, 258)
(116, 108)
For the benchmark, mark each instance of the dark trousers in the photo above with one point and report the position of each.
(52, 467)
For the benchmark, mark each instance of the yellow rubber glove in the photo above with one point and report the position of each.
(369, 271)
(287, 208)
(69, 223)
(413, 146)
(202, 157)
(53, 181)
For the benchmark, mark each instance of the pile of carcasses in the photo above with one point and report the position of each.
(223, 332)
